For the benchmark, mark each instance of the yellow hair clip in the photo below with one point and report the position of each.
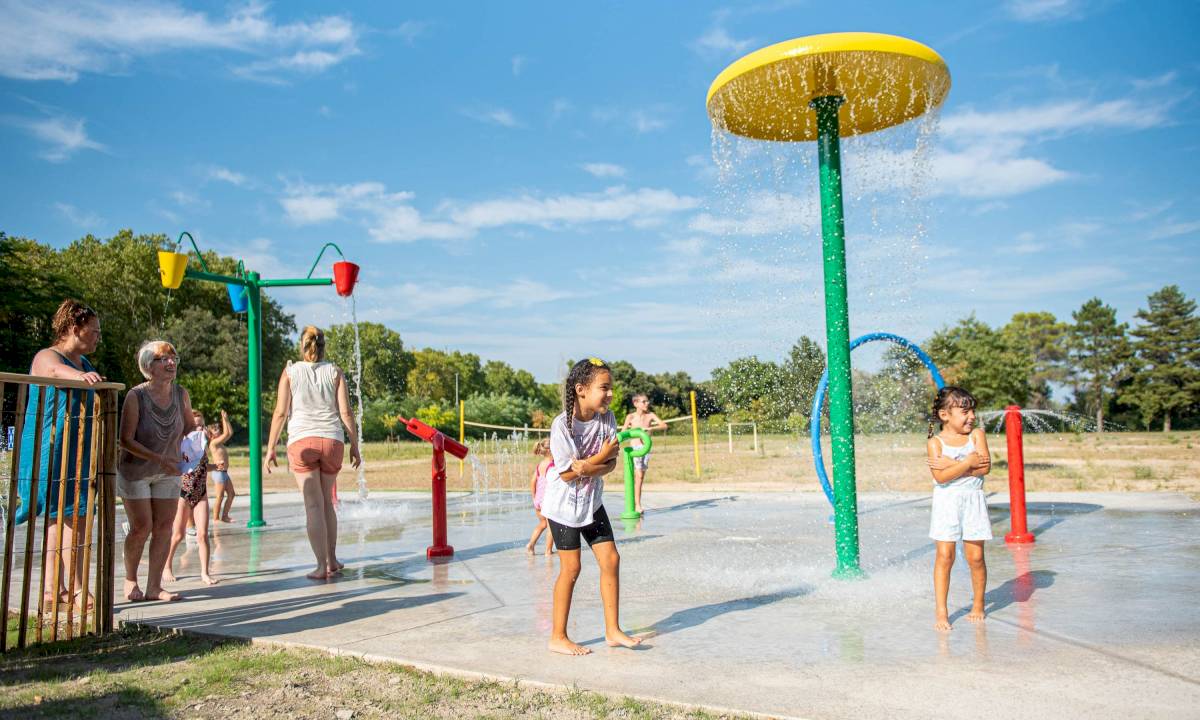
(596, 361)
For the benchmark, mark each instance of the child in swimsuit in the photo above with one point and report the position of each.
(193, 498)
(538, 490)
(218, 461)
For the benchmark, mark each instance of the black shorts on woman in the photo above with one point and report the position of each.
(599, 530)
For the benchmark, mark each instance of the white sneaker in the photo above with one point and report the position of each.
(191, 532)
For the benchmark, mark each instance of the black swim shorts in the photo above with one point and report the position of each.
(598, 531)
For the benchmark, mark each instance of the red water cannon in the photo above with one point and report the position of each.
(441, 445)
(428, 433)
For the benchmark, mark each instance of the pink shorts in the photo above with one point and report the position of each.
(315, 453)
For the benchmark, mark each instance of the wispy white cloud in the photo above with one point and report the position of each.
(1067, 280)
(616, 204)
(1143, 211)
(79, 217)
(60, 41)
(61, 136)
(989, 170)
(989, 154)
(1158, 81)
(1027, 244)
(1042, 10)
(604, 170)
(518, 64)
(224, 174)
(409, 30)
(560, 107)
(1174, 228)
(303, 61)
(642, 120)
(645, 121)
(185, 199)
(1056, 118)
(494, 116)
(716, 41)
(762, 213)
(392, 217)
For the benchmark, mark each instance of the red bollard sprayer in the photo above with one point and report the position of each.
(441, 445)
(1016, 476)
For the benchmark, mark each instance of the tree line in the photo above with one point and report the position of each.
(1143, 376)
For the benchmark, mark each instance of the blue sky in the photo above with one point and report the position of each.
(534, 182)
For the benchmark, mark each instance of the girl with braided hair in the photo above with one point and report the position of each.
(958, 460)
(584, 448)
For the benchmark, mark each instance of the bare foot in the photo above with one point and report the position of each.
(976, 615)
(639, 510)
(208, 579)
(549, 550)
(226, 519)
(168, 576)
(164, 595)
(529, 549)
(620, 639)
(319, 574)
(564, 646)
(133, 593)
(339, 565)
(942, 622)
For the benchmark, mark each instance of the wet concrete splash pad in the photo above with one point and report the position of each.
(1096, 620)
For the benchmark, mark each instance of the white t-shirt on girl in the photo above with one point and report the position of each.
(574, 503)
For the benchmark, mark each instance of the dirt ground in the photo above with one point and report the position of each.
(1060, 462)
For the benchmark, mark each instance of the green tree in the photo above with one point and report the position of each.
(1099, 352)
(802, 372)
(1166, 377)
(977, 357)
(499, 378)
(1041, 337)
(32, 285)
(433, 373)
(752, 389)
(385, 363)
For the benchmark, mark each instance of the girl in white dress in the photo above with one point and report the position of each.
(958, 460)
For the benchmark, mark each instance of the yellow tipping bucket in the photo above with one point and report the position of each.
(171, 266)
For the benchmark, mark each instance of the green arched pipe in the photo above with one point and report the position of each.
(627, 455)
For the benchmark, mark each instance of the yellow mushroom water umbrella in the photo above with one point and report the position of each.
(885, 80)
(820, 88)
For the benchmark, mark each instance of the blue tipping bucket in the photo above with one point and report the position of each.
(237, 297)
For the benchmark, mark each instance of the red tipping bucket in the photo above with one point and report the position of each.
(345, 274)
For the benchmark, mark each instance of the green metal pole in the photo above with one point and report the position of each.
(837, 337)
(254, 363)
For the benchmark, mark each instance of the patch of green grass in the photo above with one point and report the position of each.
(142, 673)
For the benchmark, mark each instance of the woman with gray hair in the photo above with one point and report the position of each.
(156, 416)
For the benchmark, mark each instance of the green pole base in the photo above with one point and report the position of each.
(631, 515)
(255, 524)
(849, 572)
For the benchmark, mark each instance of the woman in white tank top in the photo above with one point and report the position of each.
(314, 401)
